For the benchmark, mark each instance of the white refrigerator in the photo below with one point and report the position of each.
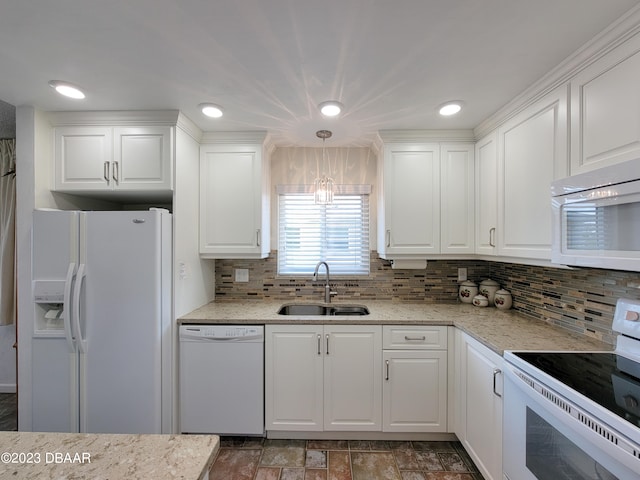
(102, 329)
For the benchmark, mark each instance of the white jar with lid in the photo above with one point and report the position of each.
(488, 288)
(467, 291)
(503, 300)
(480, 301)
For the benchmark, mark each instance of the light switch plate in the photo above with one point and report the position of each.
(242, 275)
(462, 274)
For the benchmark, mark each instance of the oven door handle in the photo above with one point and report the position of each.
(496, 372)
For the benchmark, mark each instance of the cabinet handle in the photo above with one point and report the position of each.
(415, 339)
(258, 237)
(319, 346)
(388, 235)
(496, 371)
(327, 344)
(105, 172)
(387, 377)
(492, 234)
(116, 172)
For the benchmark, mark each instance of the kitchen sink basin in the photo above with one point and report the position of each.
(304, 309)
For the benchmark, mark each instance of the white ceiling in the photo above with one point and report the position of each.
(269, 63)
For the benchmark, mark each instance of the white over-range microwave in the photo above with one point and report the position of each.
(596, 218)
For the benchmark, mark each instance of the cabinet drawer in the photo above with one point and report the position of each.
(414, 337)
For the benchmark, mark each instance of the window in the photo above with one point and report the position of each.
(337, 234)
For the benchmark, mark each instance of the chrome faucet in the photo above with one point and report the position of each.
(327, 287)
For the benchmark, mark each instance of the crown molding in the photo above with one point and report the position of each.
(185, 124)
(260, 136)
(619, 32)
(114, 117)
(404, 136)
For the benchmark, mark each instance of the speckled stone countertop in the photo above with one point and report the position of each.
(497, 329)
(61, 456)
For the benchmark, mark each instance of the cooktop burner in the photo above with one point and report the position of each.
(610, 380)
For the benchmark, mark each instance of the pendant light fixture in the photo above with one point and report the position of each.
(323, 185)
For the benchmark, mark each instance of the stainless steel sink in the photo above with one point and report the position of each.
(304, 309)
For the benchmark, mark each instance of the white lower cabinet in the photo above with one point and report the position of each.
(479, 407)
(415, 379)
(323, 378)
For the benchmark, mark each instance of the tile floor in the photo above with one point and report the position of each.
(8, 412)
(264, 459)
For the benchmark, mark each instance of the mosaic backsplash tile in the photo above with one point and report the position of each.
(579, 300)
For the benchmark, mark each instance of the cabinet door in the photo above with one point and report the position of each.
(142, 158)
(482, 410)
(533, 153)
(457, 227)
(83, 158)
(294, 356)
(486, 193)
(411, 200)
(353, 378)
(231, 202)
(415, 391)
(605, 120)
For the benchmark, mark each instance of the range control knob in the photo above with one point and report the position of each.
(632, 316)
(630, 401)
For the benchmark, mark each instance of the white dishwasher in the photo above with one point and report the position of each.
(222, 379)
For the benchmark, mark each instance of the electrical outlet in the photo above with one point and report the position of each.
(462, 274)
(242, 275)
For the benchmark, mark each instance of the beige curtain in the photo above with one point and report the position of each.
(7, 231)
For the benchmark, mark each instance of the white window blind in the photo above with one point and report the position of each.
(337, 234)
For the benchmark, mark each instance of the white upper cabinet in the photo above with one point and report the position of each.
(234, 199)
(106, 158)
(425, 206)
(532, 153)
(409, 217)
(457, 172)
(605, 118)
(486, 193)
(515, 167)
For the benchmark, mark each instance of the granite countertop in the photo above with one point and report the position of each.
(78, 456)
(499, 330)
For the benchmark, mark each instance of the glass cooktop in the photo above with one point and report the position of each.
(610, 380)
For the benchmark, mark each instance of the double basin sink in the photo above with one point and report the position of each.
(303, 309)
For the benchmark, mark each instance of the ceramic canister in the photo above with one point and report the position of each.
(480, 301)
(467, 291)
(488, 288)
(503, 300)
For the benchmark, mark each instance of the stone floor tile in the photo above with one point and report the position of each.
(283, 456)
(267, 473)
(316, 459)
(434, 446)
(292, 474)
(328, 444)
(412, 475)
(448, 476)
(374, 466)
(453, 462)
(315, 474)
(429, 461)
(407, 459)
(339, 465)
(238, 464)
(359, 445)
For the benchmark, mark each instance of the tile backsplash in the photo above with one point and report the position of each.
(580, 300)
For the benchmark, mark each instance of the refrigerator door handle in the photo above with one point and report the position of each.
(82, 343)
(71, 271)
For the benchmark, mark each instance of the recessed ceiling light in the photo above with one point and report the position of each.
(67, 89)
(211, 110)
(331, 108)
(450, 108)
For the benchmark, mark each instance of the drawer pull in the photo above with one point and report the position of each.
(415, 339)
(387, 377)
(496, 372)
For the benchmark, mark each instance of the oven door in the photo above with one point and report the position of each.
(542, 441)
